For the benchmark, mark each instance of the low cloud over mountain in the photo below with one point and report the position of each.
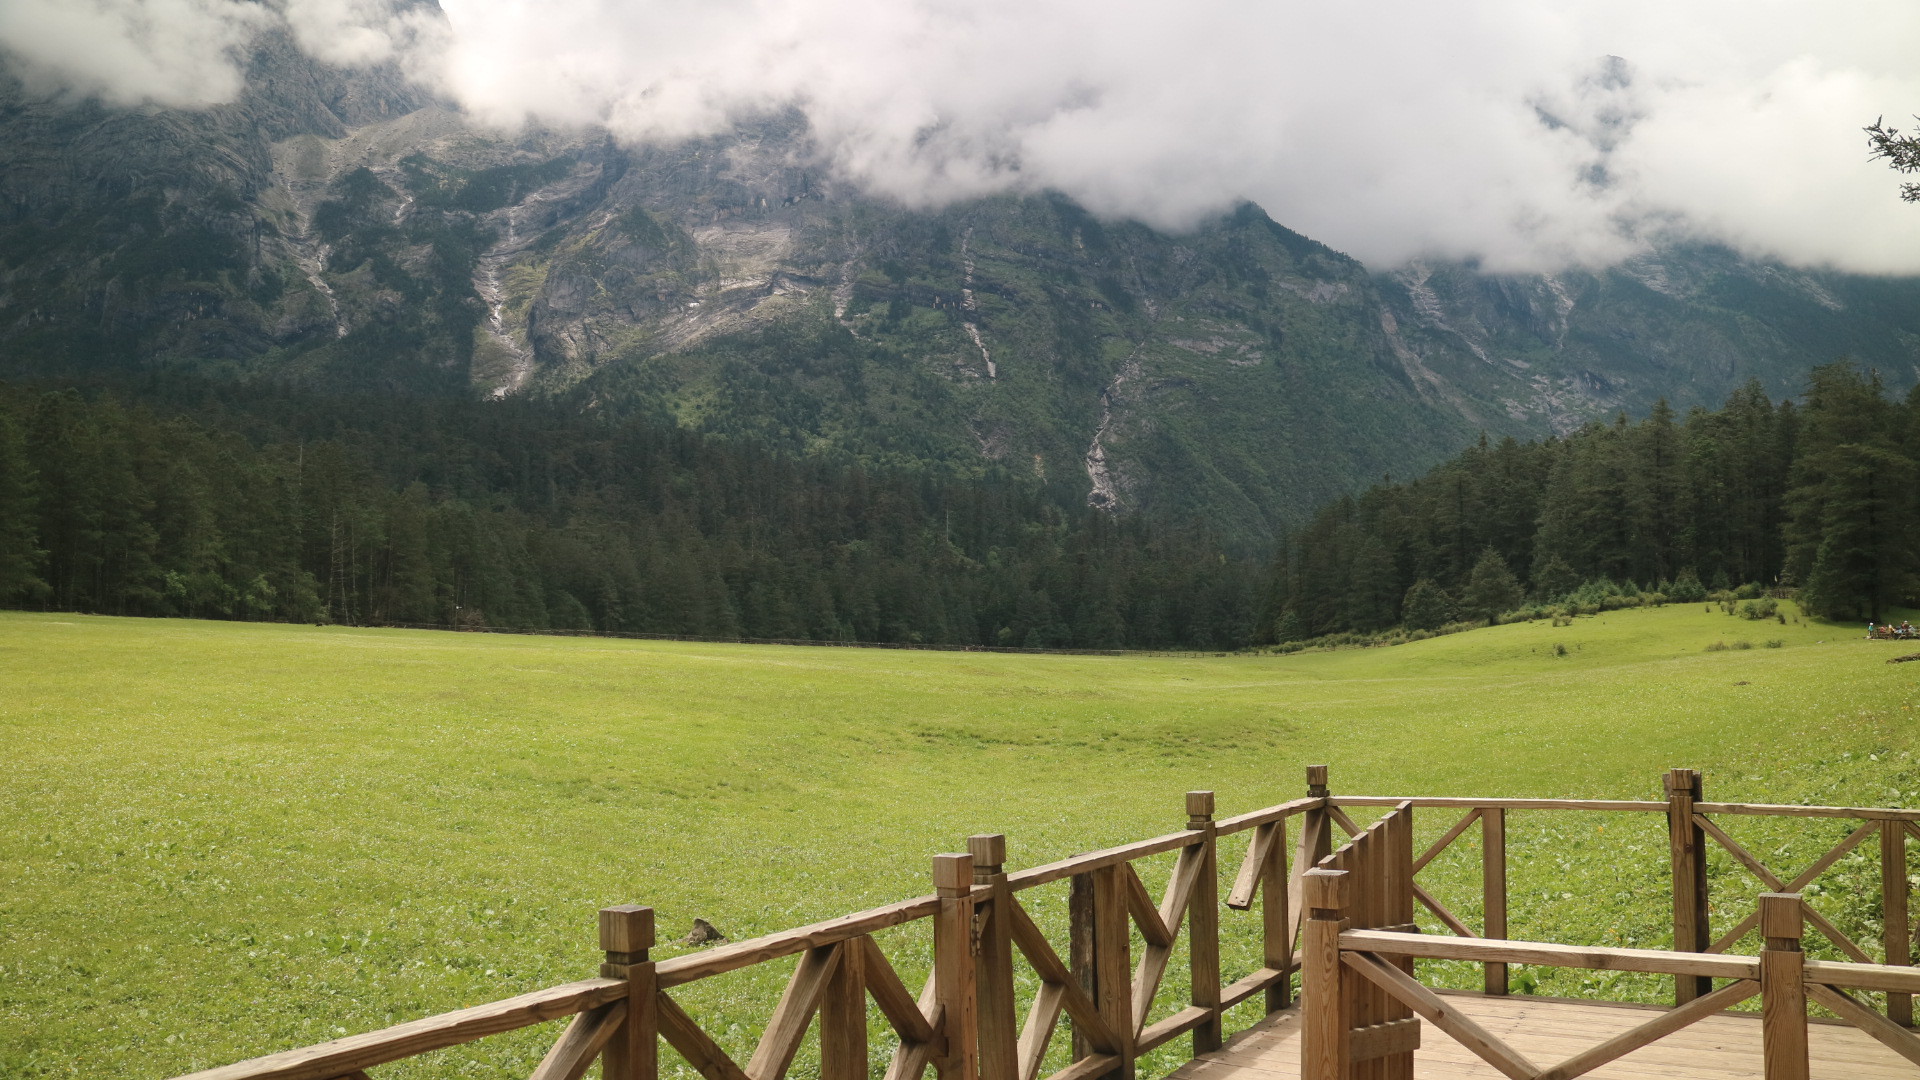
(1497, 130)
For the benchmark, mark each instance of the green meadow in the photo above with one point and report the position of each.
(225, 839)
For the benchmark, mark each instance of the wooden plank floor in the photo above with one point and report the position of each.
(1549, 1031)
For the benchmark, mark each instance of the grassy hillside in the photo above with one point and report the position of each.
(225, 839)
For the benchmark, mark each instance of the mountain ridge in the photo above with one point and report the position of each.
(342, 228)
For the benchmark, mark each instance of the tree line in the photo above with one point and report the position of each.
(243, 501)
(1822, 496)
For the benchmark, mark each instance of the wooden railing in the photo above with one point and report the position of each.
(1335, 1038)
(964, 1022)
(1690, 825)
(1358, 977)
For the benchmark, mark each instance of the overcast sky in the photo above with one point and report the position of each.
(1391, 129)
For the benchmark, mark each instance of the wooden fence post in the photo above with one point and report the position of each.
(953, 966)
(1316, 843)
(1276, 927)
(843, 1017)
(1893, 898)
(1783, 993)
(1687, 844)
(1113, 962)
(1316, 831)
(1493, 882)
(1323, 1022)
(626, 933)
(1080, 951)
(1203, 926)
(999, 1031)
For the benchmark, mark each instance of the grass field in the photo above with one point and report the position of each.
(225, 839)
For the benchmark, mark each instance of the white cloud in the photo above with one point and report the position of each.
(169, 52)
(349, 33)
(1395, 129)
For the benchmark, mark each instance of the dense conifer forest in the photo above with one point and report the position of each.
(176, 496)
(226, 500)
(1820, 495)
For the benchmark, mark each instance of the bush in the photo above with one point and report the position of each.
(1759, 609)
(1686, 589)
(1559, 650)
(1750, 591)
(1743, 644)
(1718, 646)
(1775, 643)
(1595, 593)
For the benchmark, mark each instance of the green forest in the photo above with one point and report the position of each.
(1820, 496)
(243, 501)
(212, 499)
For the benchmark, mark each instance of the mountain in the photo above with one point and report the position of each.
(341, 229)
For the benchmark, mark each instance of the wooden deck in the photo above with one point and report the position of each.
(1549, 1030)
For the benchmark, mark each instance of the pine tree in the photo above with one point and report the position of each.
(1655, 487)
(20, 554)
(1555, 579)
(1846, 415)
(1492, 590)
(1373, 592)
(1865, 561)
(1427, 606)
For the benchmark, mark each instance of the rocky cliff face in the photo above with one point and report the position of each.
(130, 234)
(1687, 323)
(340, 227)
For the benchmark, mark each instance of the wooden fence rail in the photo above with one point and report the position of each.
(1345, 911)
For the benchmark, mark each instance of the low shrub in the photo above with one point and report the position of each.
(1759, 609)
(1775, 643)
(1718, 646)
(1686, 589)
(1528, 614)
